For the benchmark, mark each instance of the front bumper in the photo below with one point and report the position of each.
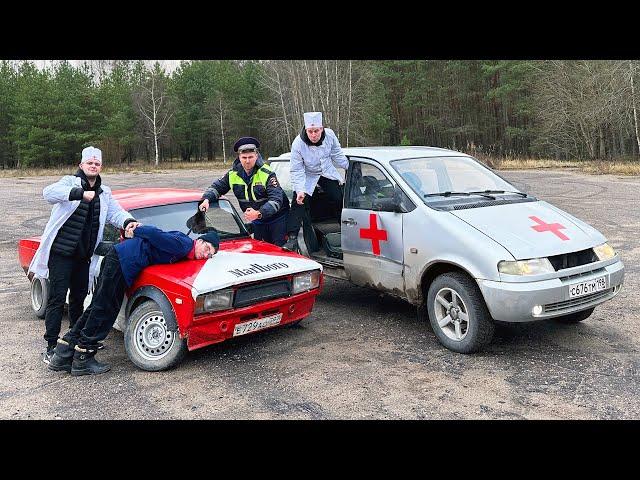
(514, 302)
(217, 327)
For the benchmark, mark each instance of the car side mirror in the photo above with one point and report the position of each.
(103, 248)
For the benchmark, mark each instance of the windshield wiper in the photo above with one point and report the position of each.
(502, 191)
(466, 194)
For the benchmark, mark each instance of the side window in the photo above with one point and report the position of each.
(367, 184)
(111, 233)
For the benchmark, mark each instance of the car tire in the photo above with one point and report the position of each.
(149, 344)
(39, 295)
(465, 325)
(576, 317)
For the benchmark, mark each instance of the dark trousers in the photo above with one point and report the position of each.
(273, 232)
(95, 323)
(65, 273)
(300, 213)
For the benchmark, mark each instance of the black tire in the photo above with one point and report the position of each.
(146, 320)
(479, 326)
(39, 295)
(576, 317)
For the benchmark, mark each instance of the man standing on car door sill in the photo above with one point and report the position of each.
(259, 194)
(81, 207)
(315, 154)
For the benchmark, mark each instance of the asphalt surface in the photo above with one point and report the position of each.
(358, 356)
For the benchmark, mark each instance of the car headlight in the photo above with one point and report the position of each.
(534, 266)
(305, 281)
(604, 251)
(214, 301)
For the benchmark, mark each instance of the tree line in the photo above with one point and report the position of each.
(139, 111)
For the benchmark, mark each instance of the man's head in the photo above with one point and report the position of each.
(91, 162)
(247, 148)
(313, 126)
(206, 246)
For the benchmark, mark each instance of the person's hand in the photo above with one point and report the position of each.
(250, 214)
(128, 232)
(300, 198)
(88, 195)
(204, 206)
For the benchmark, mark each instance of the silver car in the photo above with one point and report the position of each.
(447, 234)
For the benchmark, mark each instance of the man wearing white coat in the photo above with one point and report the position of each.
(81, 207)
(315, 154)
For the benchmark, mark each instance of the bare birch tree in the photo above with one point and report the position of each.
(152, 103)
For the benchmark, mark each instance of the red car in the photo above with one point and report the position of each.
(249, 285)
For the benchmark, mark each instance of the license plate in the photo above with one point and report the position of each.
(590, 286)
(258, 324)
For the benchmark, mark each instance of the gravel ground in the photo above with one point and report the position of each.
(358, 356)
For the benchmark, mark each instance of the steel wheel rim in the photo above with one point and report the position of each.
(153, 340)
(36, 295)
(452, 314)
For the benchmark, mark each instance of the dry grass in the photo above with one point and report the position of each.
(122, 168)
(593, 167)
(587, 166)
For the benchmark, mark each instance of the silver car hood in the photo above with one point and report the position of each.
(512, 226)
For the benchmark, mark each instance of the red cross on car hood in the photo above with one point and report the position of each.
(531, 230)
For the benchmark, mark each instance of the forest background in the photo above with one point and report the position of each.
(139, 112)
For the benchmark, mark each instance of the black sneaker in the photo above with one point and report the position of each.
(46, 356)
(99, 346)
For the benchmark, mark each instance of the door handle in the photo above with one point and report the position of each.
(349, 221)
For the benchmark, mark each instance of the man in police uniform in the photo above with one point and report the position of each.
(315, 154)
(256, 187)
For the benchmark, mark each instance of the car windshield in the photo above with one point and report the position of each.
(220, 217)
(435, 177)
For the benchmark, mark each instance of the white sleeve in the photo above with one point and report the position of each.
(116, 215)
(337, 155)
(296, 170)
(59, 191)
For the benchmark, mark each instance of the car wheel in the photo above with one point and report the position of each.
(576, 317)
(39, 295)
(458, 314)
(148, 341)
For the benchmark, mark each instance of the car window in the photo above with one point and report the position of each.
(220, 216)
(367, 184)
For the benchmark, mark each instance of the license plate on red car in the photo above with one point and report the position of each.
(257, 324)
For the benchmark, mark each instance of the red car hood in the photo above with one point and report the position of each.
(237, 262)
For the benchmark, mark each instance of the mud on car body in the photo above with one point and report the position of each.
(249, 285)
(447, 234)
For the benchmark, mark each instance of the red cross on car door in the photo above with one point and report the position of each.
(371, 240)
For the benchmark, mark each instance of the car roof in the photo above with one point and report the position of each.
(130, 198)
(387, 154)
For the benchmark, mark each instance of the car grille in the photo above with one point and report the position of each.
(260, 292)
(573, 259)
(577, 302)
(590, 273)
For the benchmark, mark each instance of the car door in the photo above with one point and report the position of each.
(371, 240)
